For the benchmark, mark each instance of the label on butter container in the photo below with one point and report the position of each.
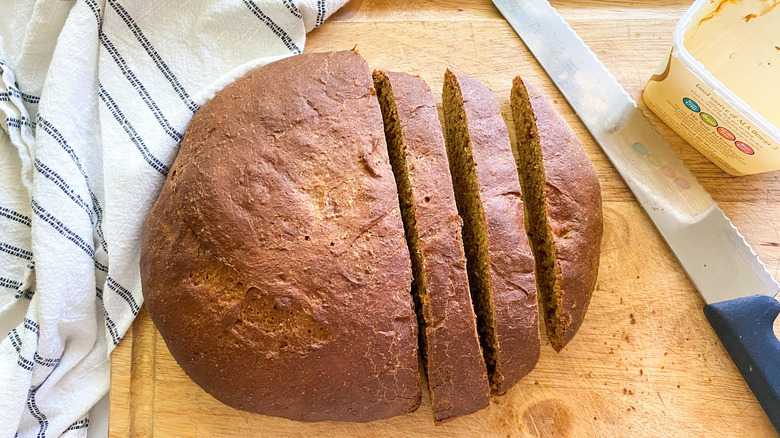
(704, 119)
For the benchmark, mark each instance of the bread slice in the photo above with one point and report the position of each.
(563, 201)
(449, 344)
(500, 263)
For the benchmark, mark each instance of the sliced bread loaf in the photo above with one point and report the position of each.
(563, 201)
(500, 263)
(449, 345)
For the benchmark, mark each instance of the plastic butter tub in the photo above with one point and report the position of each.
(720, 86)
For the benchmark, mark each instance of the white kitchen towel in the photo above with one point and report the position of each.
(94, 98)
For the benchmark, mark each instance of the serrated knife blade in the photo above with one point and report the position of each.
(724, 268)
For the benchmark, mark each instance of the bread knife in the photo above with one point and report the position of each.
(736, 286)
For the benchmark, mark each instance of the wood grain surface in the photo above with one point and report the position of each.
(645, 363)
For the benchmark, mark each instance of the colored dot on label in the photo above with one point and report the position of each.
(693, 106)
(652, 159)
(744, 147)
(708, 119)
(725, 133)
(640, 148)
(667, 171)
(682, 183)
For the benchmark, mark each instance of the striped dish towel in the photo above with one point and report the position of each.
(94, 98)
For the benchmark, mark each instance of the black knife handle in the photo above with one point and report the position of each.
(744, 326)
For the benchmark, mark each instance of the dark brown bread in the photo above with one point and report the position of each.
(449, 345)
(563, 199)
(500, 263)
(274, 262)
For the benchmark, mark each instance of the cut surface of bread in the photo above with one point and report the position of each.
(500, 263)
(563, 202)
(449, 344)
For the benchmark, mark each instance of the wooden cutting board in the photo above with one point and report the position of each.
(645, 363)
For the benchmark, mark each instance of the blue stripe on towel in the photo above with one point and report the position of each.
(42, 420)
(320, 13)
(65, 187)
(81, 424)
(18, 217)
(50, 129)
(153, 161)
(110, 325)
(293, 8)
(273, 26)
(124, 293)
(130, 76)
(66, 232)
(158, 61)
(15, 251)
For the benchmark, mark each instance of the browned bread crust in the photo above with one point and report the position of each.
(274, 262)
(566, 233)
(457, 377)
(501, 266)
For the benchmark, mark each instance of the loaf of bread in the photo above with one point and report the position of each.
(500, 263)
(278, 259)
(563, 200)
(274, 262)
(449, 345)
